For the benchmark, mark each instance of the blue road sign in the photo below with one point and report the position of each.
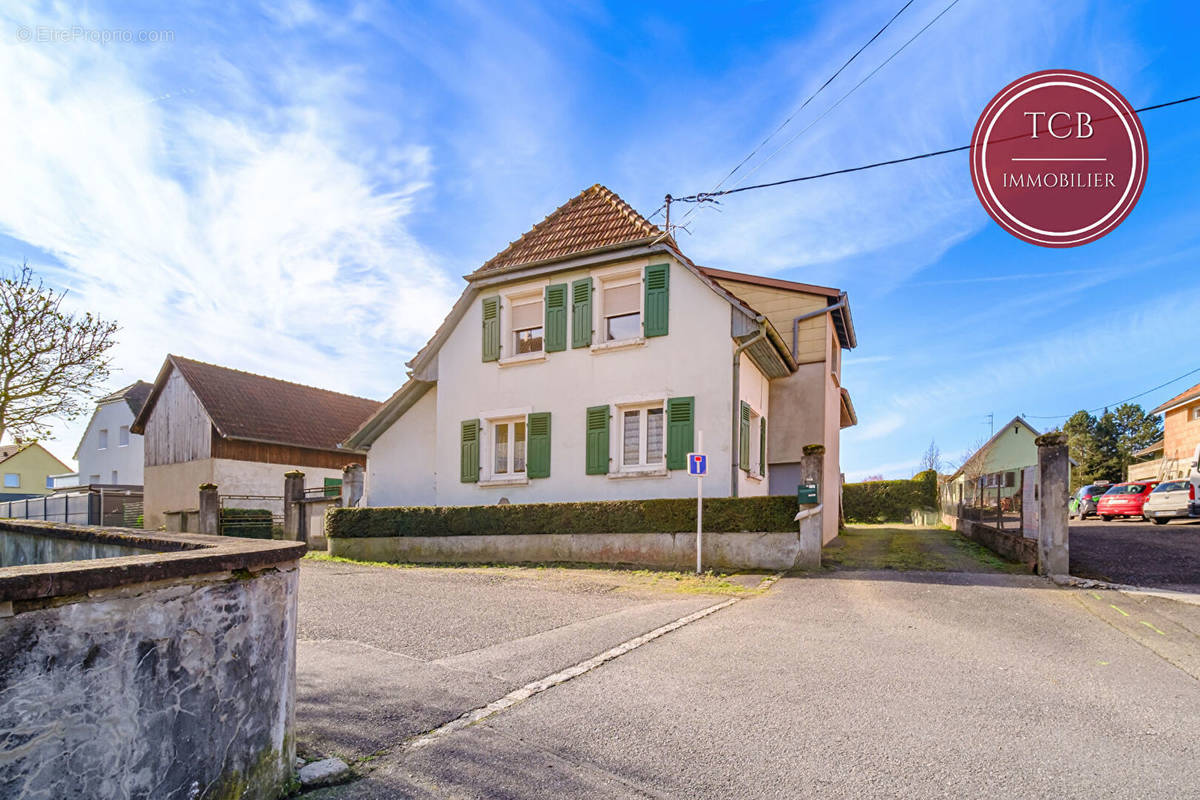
(697, 464)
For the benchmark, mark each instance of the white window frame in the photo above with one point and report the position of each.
(16, 484)
(641, 468)
(613, 279)
(123, 436)
(1195, 415)
(102, 439)
(508, 335)
(489, 420)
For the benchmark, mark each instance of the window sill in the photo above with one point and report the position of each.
(651, 472)
(495, 482)
(754, 476)
(618, 344)
(524, 358)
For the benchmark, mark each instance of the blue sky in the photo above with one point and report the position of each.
(296, 188)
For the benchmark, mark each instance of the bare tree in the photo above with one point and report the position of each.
(932, 460)
(50, 360)
(973, 470)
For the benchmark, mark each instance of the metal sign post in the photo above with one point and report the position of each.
(698, 465)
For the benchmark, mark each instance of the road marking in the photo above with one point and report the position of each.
(1151, 627)
(1126, 613)
(1093, 594)
(537, 687)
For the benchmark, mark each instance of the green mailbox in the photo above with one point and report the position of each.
(807, 494)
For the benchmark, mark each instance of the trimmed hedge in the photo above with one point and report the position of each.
(721, 515)
(249, 523)
(889, 501)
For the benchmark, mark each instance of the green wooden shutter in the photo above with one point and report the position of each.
(681, 429)
(597, 440)
(744, 438)
(491, 328)
(657, 283)
(581, 313)
(469, 451)
(762, 446)
(537, 462)
(556, 318)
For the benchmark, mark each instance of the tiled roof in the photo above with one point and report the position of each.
(243, 405)
(595, 218)
(1183, 397)
(134, 394)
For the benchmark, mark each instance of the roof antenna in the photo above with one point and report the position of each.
(667, 203)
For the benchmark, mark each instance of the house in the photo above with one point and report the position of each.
(109, 452)
(995, 465)
(208, 424)
(28, 470)
(1175, 454)
(586, 359)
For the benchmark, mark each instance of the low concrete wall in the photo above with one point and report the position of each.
(19, 548)
(1005, 544)
(776, 551)
(165, 674)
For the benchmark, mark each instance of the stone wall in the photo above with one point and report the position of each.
(1006, 544)
(775, 551)
(176, 687)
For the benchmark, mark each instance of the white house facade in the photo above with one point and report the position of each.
(109, 453)
(583, 363)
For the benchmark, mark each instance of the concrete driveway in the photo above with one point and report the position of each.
(845, 683)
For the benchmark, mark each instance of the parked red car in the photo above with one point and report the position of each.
(1124, 500)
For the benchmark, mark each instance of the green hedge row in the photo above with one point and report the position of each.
(249, 523)
(889, 501)
(721, 515)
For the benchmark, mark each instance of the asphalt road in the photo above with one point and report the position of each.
(841, 684)
(1138, 553)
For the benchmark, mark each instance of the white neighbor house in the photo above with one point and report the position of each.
(586, 359)
(109, 453)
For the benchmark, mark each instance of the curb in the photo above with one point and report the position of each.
(1192, 598)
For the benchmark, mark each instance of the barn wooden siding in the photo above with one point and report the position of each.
(179, 429)
(240, 450)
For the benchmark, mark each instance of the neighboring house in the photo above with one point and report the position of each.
(585, 360)
(997, 464)
(1181, 436)
(27, 470)
(109, 452)
(208, 424)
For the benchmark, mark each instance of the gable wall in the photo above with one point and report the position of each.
(179, 429)
(127, 461)
(781, 306)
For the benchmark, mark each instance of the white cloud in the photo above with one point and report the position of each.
(262, 243)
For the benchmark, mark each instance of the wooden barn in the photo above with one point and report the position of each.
(204, 423)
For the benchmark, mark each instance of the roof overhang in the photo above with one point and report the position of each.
(392, 409)
(1180, 403)
(848, 416)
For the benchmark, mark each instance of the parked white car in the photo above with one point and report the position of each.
(1169, 500)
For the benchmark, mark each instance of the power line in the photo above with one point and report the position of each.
(820, 89)
(839, 101)
(1119, 402)
(709, 196)
(871, 74)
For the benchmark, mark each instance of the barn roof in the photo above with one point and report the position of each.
(243, 405)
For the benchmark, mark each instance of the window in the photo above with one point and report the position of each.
(642, 437)
(114, 478)
(527, 325)
(508, 447)
(1196, 412)
(93, 478)
(752, 440)
(49, 481)
(621, 307)
(12, 480)
(103, 437)
(123, 436)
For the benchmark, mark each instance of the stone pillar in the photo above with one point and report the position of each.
(810, 534)
(353, 479)
(1054, 469)
(210, 510)
(295, 516)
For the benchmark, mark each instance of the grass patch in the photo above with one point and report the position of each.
(911, 549)
(631, 578)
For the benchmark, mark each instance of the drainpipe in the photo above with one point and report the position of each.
(796, 322)
(734, 450)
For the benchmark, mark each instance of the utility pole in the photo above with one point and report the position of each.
(667, 203)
